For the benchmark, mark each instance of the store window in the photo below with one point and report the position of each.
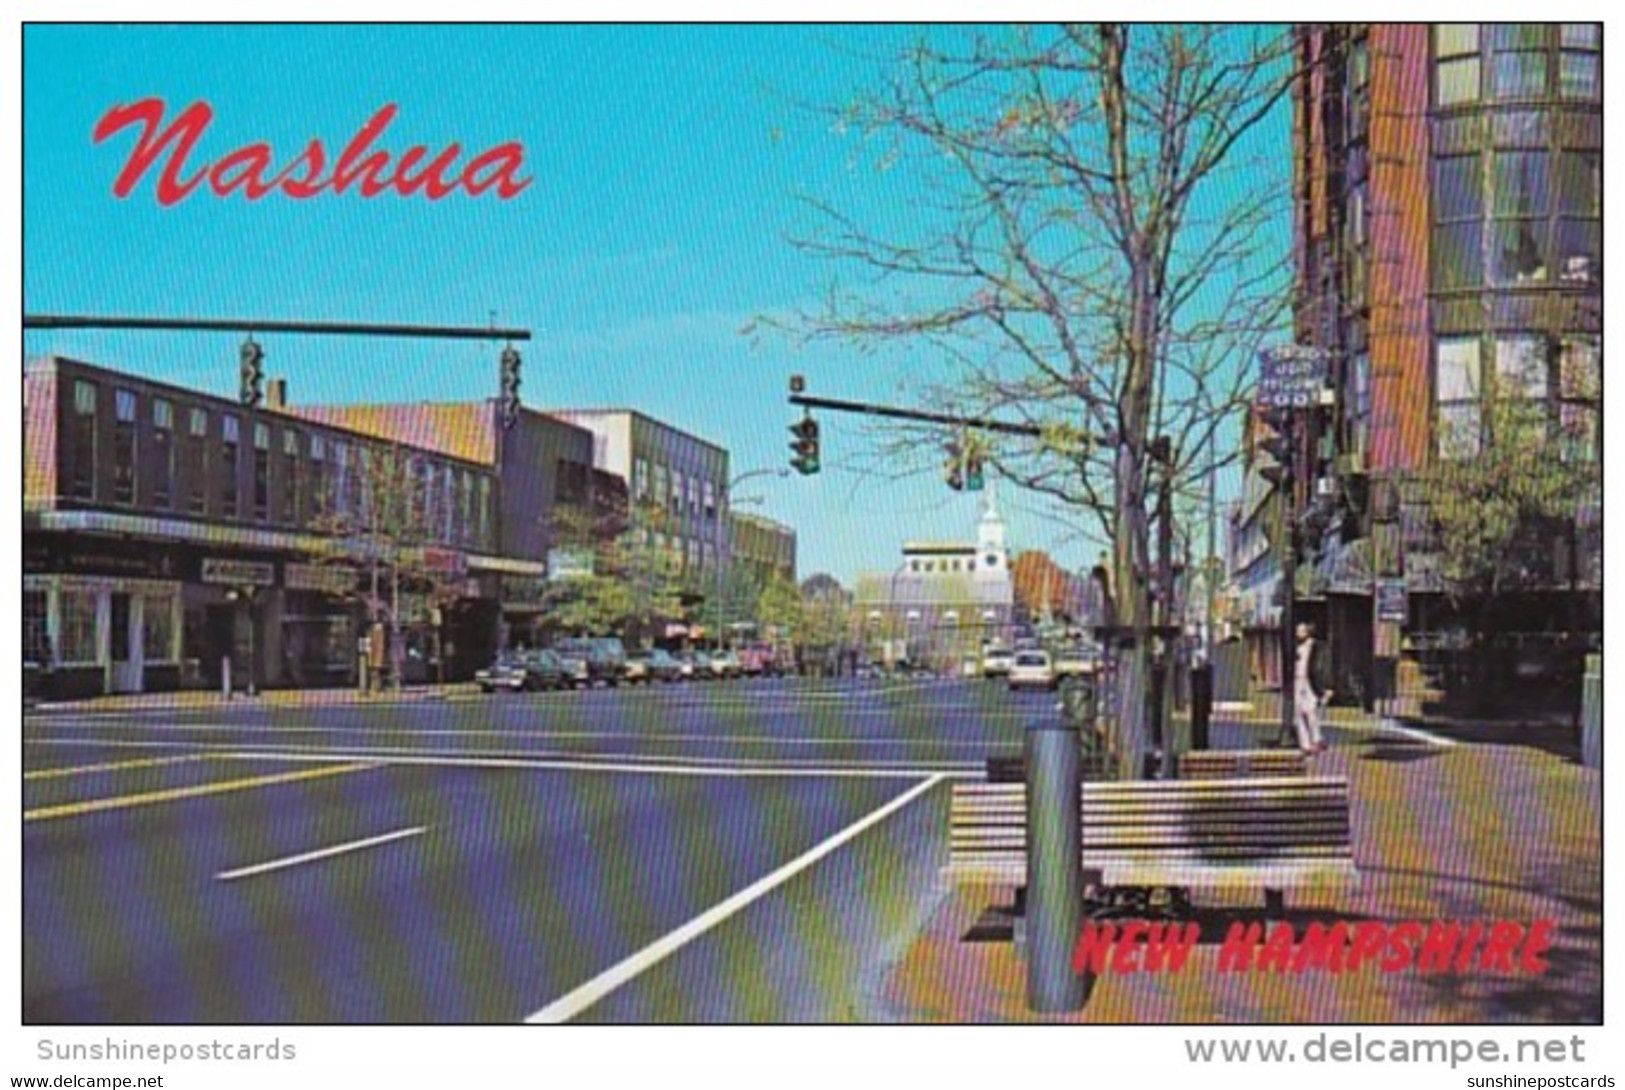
(124, 410)
(158, 628)
(78, 626)
(84, 440)
(1459, 423)
(163, 451)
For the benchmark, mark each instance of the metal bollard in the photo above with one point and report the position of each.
(1054, 867)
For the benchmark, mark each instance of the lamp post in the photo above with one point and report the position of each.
(722, 519)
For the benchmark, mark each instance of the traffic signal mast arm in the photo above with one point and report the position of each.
(979, 423)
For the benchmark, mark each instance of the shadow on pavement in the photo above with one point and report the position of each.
(1559, 739)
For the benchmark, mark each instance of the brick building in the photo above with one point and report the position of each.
(168, 532)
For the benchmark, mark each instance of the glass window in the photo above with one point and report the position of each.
(1359, 64)
(1522, 129)
(1581, 36)
(1518, 251)
(1454, 39)
(199, 423)
(290, 443)
(77, 631)
(1580, 76)
(262, 437)
(1458, 81)
(1520, 183)
(1458, 256)
(1579, 183)
(163, 455)
(291, 510)
(1519, 75)
(231, 438)
(1520, 367)
(1458, 369)
(84, 398)
(485, 510)
(1460, 189)
(318, 448)
(158, 627)
(1579, 251)
(124, 409)
(1505, 37)
(1580, 369)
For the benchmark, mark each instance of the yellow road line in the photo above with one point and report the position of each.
(91, 806)
(114, 766)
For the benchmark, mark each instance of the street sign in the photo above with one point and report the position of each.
(569, 564)
(1291, 376)
(1391, 601)
(242, 573)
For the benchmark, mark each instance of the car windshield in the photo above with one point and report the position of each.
(1032, 660)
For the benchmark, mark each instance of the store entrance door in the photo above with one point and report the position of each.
(124, 632)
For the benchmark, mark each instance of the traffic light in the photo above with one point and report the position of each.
(956, 466)
(975, 476)
(1280, 448)
(510, 386)
(806, 446)
(252, 373)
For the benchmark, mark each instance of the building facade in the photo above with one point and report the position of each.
(763, 548)
(944, 601)
(677, 484)
(1448, 253)
(171, 536)
(540, 464)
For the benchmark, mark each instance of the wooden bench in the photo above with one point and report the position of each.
(1241, 764)
(1274, 834)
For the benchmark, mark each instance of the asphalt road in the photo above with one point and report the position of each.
(748, 851)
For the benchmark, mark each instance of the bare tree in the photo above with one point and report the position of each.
(1096, 245)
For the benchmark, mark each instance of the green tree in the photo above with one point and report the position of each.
(779, 607)
(1505, 502)
(381, 538)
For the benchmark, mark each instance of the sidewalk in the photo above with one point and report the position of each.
(1481, 832)
(274, 698)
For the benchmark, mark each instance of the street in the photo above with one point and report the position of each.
(752, 851)
(478, 859)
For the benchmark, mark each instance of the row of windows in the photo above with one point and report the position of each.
(1565, 374)
(320, 477)
(1517, 184)
(1517, 252)
(686, 552)
(1517, 61)
(663, 486)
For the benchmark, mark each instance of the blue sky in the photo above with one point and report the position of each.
(666, 163)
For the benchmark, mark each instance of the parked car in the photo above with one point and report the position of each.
(653, 665)
(1032, 670)
(637, 668)
(593, 661)
(724, 664)
(1076, 662)
(996, 662)
(758, 660)
(523, 671)
(698, 665)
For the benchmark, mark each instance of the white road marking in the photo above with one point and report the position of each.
(543, 732)
(111, 766)
(1388, 726)
(321, 853)
(578, 1000)
(609, 762)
